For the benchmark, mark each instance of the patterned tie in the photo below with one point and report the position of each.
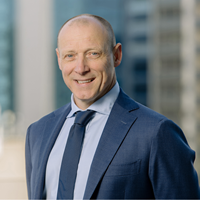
(72, 154)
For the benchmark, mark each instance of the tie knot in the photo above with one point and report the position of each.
(83, 117)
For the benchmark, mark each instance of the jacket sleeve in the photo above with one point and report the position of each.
(171, 169)
(28, 163)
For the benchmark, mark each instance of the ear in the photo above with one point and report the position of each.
(58, 57)
(117, 53)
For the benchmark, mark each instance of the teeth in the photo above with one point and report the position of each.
(84, 81)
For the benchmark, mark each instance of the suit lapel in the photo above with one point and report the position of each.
(116, 129)
(50, 133)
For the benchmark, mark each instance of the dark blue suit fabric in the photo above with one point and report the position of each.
(141, 155)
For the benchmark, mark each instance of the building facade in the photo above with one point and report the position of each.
(6, 56)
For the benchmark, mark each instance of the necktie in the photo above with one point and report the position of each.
(72, 154)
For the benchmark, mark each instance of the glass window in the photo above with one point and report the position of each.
(6, 55)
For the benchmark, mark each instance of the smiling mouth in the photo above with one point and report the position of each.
(85, 81)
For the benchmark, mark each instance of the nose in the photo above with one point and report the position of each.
(81, 65)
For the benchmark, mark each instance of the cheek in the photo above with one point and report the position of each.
(107, 78)
(66, 76)
(66, 70)
(108, 73)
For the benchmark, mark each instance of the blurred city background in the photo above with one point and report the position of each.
(160, 68)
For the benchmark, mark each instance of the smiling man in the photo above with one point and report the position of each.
(87, 57)
(104, 145)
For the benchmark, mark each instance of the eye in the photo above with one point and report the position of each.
(93, 54)
(69, 56)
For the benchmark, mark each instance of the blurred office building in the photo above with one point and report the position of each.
(12, 175)
(162, 45)
(6, 55)
(136, 49)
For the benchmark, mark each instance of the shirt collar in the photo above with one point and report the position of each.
(102, 105)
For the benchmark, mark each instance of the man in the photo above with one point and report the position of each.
(128, 152)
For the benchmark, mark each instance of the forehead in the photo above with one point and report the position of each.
(83, 29)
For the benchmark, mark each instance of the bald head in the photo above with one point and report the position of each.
(87, 19)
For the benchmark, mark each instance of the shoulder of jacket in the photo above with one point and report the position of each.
(58, 112)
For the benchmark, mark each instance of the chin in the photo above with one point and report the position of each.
(88, 100)
(85, 97)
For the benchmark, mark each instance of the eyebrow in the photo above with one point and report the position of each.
(92, 49)
(89, 49)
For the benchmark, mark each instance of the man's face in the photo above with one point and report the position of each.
(86, 61)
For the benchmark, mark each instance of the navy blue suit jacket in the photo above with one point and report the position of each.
(141, 155)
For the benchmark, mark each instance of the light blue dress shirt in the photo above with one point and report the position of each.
(93, 133)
